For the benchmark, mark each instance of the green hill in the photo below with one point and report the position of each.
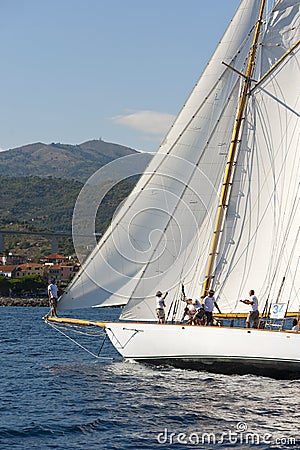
(46, 204)
(39, 187)
(77, 162)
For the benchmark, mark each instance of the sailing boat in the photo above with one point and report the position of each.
(217, 208)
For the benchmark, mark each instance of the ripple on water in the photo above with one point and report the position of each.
(53, 395)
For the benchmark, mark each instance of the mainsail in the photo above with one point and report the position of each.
(161, 235)
(260, 245)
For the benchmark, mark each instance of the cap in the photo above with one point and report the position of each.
(158, 293)
(211, 291)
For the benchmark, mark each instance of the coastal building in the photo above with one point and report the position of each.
(67, 271)
(11, 259)
(54, 259)
(53, 271)
(8, 271)
(29, 269)
(56, 266)
(62, 273)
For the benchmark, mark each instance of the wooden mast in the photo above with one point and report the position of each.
(223, 203)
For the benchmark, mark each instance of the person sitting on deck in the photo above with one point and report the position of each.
(295, 325)
(199, 314)
(189, 311)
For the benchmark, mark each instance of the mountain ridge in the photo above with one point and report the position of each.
(66, 161)
(40, 184)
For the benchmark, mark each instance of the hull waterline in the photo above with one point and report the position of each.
(224, 350)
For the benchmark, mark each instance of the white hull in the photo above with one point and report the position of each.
(216, 349)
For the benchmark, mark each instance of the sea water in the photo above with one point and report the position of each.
(55, 395)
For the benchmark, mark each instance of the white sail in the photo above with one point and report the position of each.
(260, 247)
(162, 234)
(201, 136)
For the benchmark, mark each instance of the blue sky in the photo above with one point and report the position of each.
(120, 70)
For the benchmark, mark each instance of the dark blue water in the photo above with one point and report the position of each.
(56, 396)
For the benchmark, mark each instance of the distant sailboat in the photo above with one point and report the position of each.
(217, 208)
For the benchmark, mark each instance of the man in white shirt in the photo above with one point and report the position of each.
(253, 315)
(160, 306)
(53, 295)
(209, 303)
(199, 312)
(189, 311)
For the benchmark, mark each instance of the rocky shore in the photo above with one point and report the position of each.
(21, 301)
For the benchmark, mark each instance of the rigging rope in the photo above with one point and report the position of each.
(80, 345)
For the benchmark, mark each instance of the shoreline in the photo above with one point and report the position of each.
(21, 301)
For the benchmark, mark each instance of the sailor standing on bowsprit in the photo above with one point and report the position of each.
(160, 306)
(53, 295)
